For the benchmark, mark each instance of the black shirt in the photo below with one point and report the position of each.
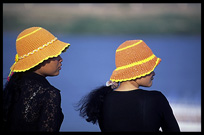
(137, 110)
(38, 107)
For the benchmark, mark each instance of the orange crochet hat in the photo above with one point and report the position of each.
(133, 59)
(33, 46)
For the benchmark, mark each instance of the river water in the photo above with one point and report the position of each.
(90, 60)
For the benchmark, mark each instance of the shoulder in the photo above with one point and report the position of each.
(52, 92)
(155, 92)
(51, 96)
(156, 95)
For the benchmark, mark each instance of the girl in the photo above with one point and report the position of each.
(127, 107)
(30, 102)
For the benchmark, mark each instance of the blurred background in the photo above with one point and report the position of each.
(172, 31)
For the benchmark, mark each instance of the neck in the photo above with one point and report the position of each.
(37, 72)
(127, 86)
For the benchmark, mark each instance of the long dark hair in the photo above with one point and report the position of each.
(11, 93)
(90, 106)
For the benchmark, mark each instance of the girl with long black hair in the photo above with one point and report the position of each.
(30, 102)
(121, 105)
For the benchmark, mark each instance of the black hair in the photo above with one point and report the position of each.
(12, 91)
(90, 106)
(11, 94)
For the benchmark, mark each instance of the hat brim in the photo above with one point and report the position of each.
(50, 51)
(135, 72)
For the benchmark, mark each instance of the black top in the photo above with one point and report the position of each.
(138, 110)
(38, 107)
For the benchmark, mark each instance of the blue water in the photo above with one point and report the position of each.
(90, 60)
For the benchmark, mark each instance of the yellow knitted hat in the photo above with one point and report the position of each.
(133, 59)
(33, 46)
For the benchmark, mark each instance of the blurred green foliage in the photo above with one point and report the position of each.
(73, 19)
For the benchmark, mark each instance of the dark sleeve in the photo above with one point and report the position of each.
(51, 116)
(169, 123)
